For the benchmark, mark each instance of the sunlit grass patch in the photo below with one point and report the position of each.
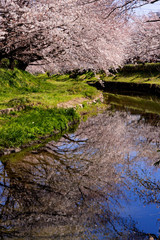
(42, 89)
(32, 124)
(40, 95)
(141, 73)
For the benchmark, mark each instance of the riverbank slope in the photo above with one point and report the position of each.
(148, 73)
(33, 107)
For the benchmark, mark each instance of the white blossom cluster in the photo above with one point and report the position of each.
(63, 35)
(145, 39)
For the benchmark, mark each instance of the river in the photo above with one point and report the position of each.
(100, 182)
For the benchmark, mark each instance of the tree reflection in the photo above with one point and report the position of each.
(72, 189)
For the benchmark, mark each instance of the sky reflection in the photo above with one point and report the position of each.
(98, 183)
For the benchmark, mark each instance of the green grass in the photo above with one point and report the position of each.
(33, 123)
(148, 73)
(40, 94)
(41, 89)
(91, 110)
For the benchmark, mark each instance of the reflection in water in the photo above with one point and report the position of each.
(144, 103)
(80, 187)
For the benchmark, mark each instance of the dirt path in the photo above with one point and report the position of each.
(79, 101)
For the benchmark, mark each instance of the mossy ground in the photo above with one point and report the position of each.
(40, 94)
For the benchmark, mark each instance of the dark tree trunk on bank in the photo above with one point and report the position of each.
(22, 65)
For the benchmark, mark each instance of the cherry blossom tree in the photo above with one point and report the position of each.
(67, 34)
(21, 31)
(145, 39)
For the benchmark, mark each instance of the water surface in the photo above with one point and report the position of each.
(101, 182)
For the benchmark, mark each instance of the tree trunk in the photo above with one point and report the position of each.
(22, 65)
(11, 63)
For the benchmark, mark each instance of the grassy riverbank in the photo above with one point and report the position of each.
(30, 124)
(20, 87)
(148, 73)
(28, 104)
(32, 106)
